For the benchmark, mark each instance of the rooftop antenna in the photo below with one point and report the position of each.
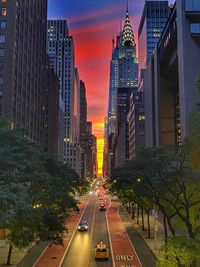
(126, 6)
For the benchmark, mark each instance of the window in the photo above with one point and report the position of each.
(1, 65)
(1, 80)
(4, 11)
(2, 52)
(2, 38)
(192, 5)
(141, 117)
(195, 28)
(2, 24)
(3, 1)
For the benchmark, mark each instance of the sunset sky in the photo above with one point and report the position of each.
(93, 23)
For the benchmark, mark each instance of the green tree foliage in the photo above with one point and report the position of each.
(4, 123)
(35, 190)
(179, 252)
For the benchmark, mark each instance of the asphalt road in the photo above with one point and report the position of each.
(100, 234)
(79, 251)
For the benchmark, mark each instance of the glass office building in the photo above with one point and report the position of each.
(192, 5)
(153, 20)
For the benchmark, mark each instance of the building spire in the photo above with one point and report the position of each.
(126, 7)
(127, 33)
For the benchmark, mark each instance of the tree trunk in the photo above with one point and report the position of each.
(129, 207)
(148, 225)
(138, 214)
(190, 229)
(133, 212)
(170, 225)
(142, 214)
(165, 229)
(9, 255)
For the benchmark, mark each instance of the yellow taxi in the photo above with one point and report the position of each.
(101, 251)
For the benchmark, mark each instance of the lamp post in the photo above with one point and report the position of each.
(155, 215)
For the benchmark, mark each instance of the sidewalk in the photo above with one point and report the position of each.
(147, 258)
(157, 238)
(17, 254)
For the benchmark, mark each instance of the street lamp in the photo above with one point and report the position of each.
(155, 215)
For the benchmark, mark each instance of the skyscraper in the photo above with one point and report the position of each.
(152, 23)
(83, 113)
(60, 48)
(123, 80)
(123, 68)
(51, 111)
(23, 64)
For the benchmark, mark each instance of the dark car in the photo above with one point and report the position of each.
(102, 207)
(83, 226)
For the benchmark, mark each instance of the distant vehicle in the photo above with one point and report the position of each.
(102, 207)
(101, 251)
(83, 226)
(105, 202)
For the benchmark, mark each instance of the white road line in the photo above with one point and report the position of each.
(41, 254)
(92, 232)
(61, 262)
(45, 249)
(111, 249)
(129, 238)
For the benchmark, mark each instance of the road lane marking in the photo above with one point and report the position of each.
(46, 248)
(125, 257)
(42, 254)
(68, 245)
(92, 233)
(111, 249)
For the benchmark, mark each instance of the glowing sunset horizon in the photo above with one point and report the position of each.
(93, 27)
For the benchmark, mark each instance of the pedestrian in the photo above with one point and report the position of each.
(77, 209)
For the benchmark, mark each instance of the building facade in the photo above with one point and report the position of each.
(60, 49)
(152, 23)
(136, 124)
(23, 65)
(170, 82)
(51, 111)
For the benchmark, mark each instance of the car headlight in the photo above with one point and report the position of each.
(86, 227)
(79, 227)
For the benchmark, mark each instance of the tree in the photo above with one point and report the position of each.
(35, 191)
(4, 123)
(173, 182)
(180, 251)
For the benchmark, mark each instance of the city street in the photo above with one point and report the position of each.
(103, 226)
(99, 133)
